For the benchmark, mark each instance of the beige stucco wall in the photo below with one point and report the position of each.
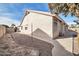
(56, 31)
(40, 25)
(62, 30)
(2, 31)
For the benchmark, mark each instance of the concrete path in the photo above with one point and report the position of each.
(62, 47)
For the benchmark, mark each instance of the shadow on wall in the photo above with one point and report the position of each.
(45, 48)
(69, 34)
(38, 33)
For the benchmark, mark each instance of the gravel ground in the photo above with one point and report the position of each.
(22, 45)
(8, 47)
(45, 48)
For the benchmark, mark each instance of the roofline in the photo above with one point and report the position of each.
(44, 14)
(23, 19)
(40, 13)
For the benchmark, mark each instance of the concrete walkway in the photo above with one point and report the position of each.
(62, 47)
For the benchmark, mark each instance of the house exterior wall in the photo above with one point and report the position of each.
(61, 28)
(62, 31)
(38, 25)
(42, 26)
(58, 28)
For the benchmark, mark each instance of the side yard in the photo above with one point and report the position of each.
(24, 45)
(17, 44)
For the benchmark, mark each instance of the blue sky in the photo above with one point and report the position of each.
(13, 13)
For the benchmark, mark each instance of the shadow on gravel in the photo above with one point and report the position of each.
(45, 48)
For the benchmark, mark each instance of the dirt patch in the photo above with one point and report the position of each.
(8, 47)
(45, 48)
